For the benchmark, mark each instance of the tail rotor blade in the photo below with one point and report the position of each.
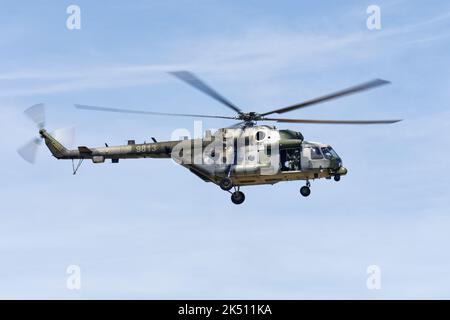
(37, 114)
(29, 150)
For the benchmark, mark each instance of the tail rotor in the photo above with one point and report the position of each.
(36, 113)
(29, 150)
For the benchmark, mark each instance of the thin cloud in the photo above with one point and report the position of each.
(250, 54)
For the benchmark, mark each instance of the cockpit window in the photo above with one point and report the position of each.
(326, 153)
(315, 153)
(329, 153)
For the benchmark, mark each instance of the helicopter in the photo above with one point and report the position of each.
(244, 154)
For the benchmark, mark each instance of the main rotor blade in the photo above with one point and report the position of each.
(119, 110)
(358, 88)
(29, 150)
(333, 121)
(192, 80)
(37, 114)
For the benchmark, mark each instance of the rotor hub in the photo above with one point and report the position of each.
(249, 116)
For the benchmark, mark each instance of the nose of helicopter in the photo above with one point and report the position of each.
(342, 171)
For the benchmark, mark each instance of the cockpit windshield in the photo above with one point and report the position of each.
(329, 153)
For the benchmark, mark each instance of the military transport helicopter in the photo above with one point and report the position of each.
(244, 154)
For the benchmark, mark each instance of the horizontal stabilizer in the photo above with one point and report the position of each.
(84, 150)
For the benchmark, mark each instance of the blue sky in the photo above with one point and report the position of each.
(149, 228)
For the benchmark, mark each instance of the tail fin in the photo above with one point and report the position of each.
(56, 148)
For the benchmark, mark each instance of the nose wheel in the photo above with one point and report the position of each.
(306, 190)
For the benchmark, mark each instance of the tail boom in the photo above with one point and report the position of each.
(99, 155)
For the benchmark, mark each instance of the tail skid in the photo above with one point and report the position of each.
(61, 152)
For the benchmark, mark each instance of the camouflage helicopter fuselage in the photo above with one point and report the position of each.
(248, 155)
(241, 155)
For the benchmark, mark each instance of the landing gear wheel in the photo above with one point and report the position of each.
(305, 191)
(337, 177)
(237, 197)
(226, 184)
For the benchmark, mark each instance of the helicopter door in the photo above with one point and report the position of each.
(306, 158)
(291, 159)
(260, 136)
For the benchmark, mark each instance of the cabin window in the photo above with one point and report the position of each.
(316, 153)
(247, 141)
(260, 135)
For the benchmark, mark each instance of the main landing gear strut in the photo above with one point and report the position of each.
(226, 184)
